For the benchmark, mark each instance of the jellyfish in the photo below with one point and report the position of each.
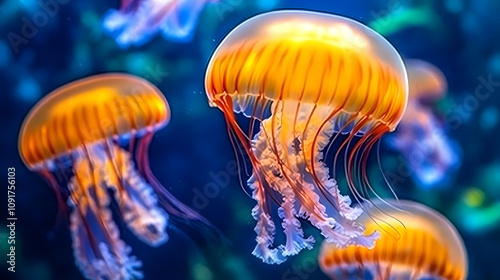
(421, 137)
(137, 21)
(416, 243)
(93, 135)
(302, 79)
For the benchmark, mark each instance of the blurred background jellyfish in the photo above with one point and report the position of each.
(88, 134)
(416, 243)
(305, 78)
(137, 21)
(421, 137)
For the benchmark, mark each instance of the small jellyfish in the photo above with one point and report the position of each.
(93, 135)
(416, 243)
(137, 21)
(421, 137)
(304, 78)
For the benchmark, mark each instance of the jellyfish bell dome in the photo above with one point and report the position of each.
(416, 241)
(88, 111)
(257, 57)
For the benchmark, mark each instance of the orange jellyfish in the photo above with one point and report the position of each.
(304, 78)
(416, 243)
(89, 135)
(426, 81)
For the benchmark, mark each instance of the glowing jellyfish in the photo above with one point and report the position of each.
(416, 243)
(88, 134)
(306, 76)
(426, 81)
(421, 137)
(139, 20)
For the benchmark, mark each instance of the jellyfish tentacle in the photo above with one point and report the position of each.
(113, 167)
(351, 153)
(308, 160)
(140, 205)
(281, 163)
(273, 173)
(249, 146)
(268, 139)
(173, 206)
(367, 144)
(237, 150)
(345, 222)
(96, 257)
(342, 229)
(295, 241)
(61, 206)
(97, 247)
(265, 227)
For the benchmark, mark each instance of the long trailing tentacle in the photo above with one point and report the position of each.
(176, 209)
(364, 146)
(227, 108)
(170, 202)
(346, 217)
(236, 149)
(62, 208)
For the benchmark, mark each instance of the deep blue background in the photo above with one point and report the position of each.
(460, 37)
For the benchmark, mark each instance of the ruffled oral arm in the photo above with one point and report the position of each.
(269, 166)
(295, 241)
(98, 249)
(137, 201)
(265, 228)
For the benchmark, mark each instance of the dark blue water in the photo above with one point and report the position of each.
(458, 36)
